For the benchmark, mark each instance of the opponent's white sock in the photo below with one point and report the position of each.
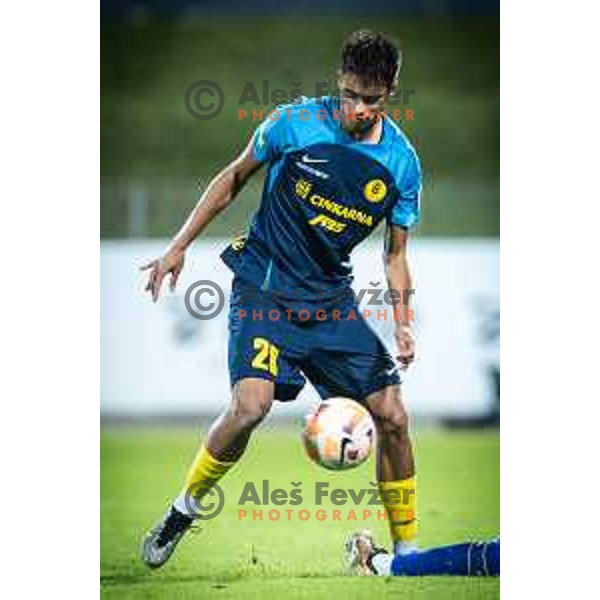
(382, 563)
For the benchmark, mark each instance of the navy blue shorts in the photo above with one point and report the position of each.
(340, 355)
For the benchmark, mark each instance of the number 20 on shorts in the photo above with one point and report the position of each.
(266, 356)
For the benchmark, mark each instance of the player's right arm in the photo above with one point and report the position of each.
(221, 191)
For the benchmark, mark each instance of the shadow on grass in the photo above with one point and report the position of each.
(125, 579)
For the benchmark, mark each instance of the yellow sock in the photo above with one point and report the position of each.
(204, 472)
(398, 497)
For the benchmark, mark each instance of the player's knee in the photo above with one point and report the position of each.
(389, 413)
(248, 412)
(392, 421)
(248, 409)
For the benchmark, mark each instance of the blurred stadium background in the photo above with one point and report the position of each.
(159, 363)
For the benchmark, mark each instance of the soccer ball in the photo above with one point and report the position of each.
(339, 434)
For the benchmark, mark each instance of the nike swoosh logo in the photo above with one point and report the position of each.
(306, 159)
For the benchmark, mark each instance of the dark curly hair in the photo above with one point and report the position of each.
(373, 57)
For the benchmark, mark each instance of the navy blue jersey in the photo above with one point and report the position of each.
(324, 193)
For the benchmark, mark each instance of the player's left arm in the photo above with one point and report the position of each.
(398, 276)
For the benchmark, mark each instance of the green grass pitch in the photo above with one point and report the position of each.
(142, 468)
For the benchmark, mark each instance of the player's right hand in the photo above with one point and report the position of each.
(171, 262)
(405, 341)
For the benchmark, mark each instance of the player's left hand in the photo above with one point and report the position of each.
(405, 340)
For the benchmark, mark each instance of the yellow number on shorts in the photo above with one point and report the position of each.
(266, 357)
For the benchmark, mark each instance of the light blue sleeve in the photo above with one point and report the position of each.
(405, 211)
(269, 138)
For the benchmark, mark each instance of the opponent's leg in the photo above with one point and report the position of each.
(226, 441)
(466, 559)
(472, 558)
(395, 465)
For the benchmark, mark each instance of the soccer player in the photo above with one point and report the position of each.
(337, 167)
(469, 558)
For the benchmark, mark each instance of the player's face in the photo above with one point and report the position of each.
(360, 104)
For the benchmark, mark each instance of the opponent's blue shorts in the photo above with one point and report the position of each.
(340, 355)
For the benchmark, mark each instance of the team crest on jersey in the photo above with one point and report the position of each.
(375, 190)
(303, 188)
